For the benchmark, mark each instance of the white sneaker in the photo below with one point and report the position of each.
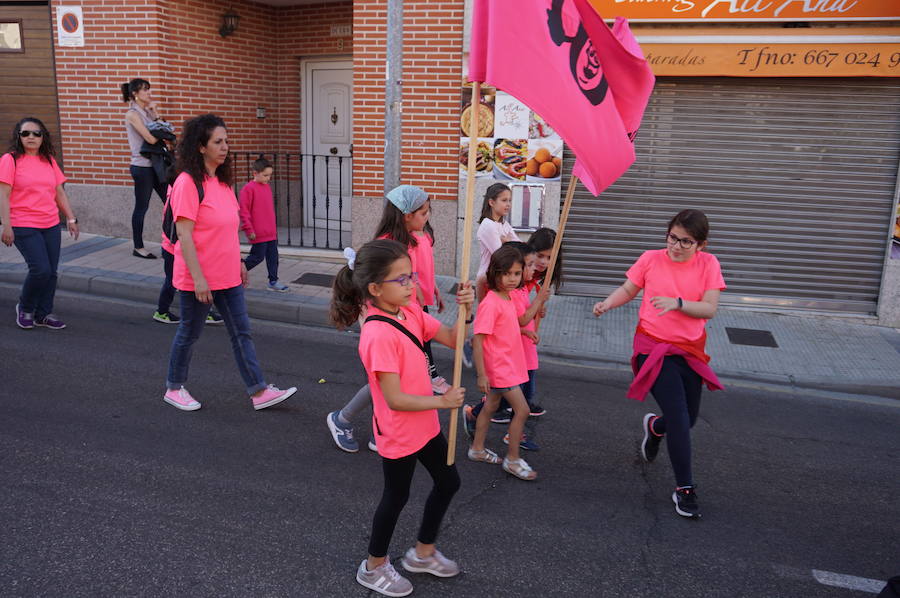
(384, 580)
(436, 564)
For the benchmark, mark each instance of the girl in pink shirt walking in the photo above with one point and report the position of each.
(681, 285)
(380, 279)
(500, 360)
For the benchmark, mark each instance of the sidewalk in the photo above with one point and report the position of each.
(813, 352)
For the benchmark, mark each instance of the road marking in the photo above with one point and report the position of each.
(850, 582)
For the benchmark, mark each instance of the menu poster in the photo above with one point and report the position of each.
(895, 242)
(514, 143)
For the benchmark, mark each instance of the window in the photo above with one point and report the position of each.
(11, 36)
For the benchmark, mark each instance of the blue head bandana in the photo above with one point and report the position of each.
(407, 198)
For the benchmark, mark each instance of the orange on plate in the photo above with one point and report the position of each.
(548, 170)
(542, 155)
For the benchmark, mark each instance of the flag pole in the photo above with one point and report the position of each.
(464, 264)
(557, 242)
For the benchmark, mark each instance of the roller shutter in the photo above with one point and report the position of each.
(797, 176)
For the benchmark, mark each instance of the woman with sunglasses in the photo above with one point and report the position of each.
(681, 285)
(31, 198)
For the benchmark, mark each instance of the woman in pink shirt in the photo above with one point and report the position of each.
(500, 360)
(208, 267)
(31, 198)
(681, 285)
(380, 279)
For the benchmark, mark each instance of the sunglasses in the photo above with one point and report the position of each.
(24, 134)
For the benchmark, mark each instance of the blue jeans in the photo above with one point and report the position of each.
(40, 248)
(267, 250)
(231, 306)
(145, 182)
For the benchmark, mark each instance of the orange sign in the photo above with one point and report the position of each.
(749, 10)
(777, 60)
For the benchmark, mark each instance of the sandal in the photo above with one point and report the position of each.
(520, 469)
(485, 456)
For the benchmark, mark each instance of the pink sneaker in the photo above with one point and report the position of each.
(181, 399)
(272, 396)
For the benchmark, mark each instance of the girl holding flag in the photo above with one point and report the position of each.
(681, 285)
(405, 421)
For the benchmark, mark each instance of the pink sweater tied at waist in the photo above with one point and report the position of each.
(656, 350)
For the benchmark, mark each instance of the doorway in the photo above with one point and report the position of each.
(327, 149)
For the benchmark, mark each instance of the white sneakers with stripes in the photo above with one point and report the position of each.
(384, 579)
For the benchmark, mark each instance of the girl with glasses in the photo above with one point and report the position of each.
(380, 279)
(405, 219)
(681, 285)
(31, 198)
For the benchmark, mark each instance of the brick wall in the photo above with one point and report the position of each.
(175, 44)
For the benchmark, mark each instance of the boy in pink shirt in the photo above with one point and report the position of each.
(258, 223)
(500, 360)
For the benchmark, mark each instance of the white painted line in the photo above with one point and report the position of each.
(850, 582)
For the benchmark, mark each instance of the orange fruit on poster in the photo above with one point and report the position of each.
(531, 168)
(548, 170)
(542, 155)
(557, 162)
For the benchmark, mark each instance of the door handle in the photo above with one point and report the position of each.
(333, 151)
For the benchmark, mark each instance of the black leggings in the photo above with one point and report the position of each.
(398, 474)
(145, 181)
(677, 391)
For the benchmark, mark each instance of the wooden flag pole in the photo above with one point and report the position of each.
(464, 264)
(563, 219)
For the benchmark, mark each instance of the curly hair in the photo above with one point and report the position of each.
(45, 151)
(196, 134)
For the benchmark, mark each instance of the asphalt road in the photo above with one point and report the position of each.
(108, 491)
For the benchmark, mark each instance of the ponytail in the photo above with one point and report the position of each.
(346, 299)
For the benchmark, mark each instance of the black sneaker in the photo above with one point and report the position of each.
(650, 444)
(502, 416)
(685, 500)
(535, 410)
(213, 318)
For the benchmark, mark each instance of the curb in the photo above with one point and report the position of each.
(296, 308)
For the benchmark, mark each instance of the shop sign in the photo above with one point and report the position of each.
(749, 10)
(775, 60)
(70, 26)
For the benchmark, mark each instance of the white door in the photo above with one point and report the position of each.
(327, 143)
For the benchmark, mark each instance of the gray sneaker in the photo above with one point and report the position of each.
(384, 580)
(341, 433)
(436, 564)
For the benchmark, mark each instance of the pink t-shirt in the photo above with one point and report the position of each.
(258, 212)
(32, 200)
(383, 348)
(659, 276)
(422, 258)
(215, 233)
(504, 358)
(522, 301)
(490, 238)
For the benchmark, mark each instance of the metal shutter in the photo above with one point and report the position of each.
(797, 176)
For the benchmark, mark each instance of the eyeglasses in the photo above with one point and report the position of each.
(405, 280)
(685, 243)
(24, 134)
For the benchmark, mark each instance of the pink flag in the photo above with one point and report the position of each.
(590, 83)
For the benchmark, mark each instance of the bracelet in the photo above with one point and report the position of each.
(680, 303)
(470, 319)
(72, 220)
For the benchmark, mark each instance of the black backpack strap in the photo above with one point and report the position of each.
(401, 328)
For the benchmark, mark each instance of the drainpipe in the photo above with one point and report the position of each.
(393, 96)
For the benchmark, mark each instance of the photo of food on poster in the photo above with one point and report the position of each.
(514, 143)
